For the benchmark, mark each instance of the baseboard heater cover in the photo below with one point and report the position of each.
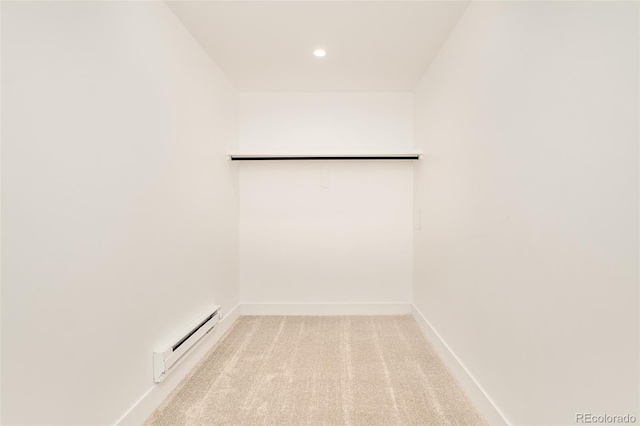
(166, 360)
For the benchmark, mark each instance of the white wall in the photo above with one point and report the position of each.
(527, 261)
(346, 242)
(331, 122)
(119, 210)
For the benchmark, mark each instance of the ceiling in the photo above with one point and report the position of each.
(266, 46)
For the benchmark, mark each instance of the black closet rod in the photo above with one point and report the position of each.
(350, 157)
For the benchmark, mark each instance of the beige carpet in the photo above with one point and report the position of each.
(319, 371)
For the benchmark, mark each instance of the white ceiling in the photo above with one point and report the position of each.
(371, 45)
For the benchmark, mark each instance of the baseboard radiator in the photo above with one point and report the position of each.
(166, 360)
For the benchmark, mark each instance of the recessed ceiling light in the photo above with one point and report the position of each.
(320, 53)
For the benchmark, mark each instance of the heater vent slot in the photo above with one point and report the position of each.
(194, 331)
(166, 360)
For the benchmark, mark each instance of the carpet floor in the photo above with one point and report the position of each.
(306, 370)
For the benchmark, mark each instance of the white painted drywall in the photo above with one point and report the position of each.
(527, 261)
(319, 122)
(119, 210)
(326, 232)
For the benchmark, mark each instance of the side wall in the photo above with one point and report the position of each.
(527, 261)
(119, 210)
(325, 232)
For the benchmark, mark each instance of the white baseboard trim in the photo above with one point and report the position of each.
(472, 388)
(325, 309)
(143, 408)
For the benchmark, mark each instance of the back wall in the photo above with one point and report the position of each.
(326, 232)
